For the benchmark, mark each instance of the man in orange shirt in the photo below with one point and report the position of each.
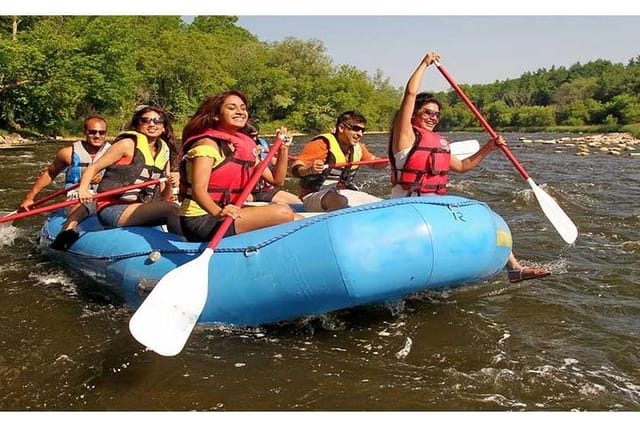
(327, 188)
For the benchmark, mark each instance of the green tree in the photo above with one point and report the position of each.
(498, 113)
(534, 116)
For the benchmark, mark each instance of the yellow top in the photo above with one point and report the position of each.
(189, 207)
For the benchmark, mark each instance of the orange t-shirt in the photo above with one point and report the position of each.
(317, 149)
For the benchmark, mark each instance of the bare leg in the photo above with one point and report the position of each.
(256, 217)
(159, 212)
(74, 217)
(513, 263)
(518, 273)
(68, 234)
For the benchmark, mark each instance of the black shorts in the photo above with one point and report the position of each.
(265, 196)
(202, 228)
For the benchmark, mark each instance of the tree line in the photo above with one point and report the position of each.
(56, 70)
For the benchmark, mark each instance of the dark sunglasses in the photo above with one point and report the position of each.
(96, 132)
(354, 128)
(147, 120)
(431, 113)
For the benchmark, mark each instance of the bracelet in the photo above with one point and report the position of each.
(295, 171)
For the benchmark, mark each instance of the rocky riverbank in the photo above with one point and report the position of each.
(14, 139)
(616, 144)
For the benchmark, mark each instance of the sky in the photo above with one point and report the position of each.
(474, 49)
(479, 41)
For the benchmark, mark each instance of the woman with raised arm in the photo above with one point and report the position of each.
(421, 159)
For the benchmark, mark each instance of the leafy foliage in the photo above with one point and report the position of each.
(54, 70)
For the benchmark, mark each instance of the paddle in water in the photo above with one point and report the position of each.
(562, 223)
(165, 319)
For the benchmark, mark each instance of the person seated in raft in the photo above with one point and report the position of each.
(217, 162)
(140, 153)
(324, 188)
(413, 144)
(269, 188)
(73, 160)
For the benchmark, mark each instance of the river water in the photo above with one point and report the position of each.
(566, 342)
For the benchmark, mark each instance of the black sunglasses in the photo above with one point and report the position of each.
(354, 128)
(147, 120)
(96, 132)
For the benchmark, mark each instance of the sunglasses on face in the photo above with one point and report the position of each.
(431, 113)
(147, 120)
(96, 132)
(354, 128)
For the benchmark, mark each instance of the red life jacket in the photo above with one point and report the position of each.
(229, 177)
(426, 169)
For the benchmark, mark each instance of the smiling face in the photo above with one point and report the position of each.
(151, 124)
(428, 116)
(95, 131)
(351, 132)
(233, 114)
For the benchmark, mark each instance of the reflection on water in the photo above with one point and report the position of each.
(569, 341)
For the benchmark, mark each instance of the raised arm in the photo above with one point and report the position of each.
(403, 136)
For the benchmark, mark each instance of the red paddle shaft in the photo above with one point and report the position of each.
(66, 203)
(481, 119)
(257, 173)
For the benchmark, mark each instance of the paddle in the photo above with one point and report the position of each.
(460, 149)
(359, 163)
(41, 201)
(464, 149)
(54, 195)
(165, 319)
(66, 203)
(563, 224)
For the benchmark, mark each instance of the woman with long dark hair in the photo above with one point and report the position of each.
(217, 162)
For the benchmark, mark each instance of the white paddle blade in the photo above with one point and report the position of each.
(563, 224)
(464, 149)
(167, 316)
(3, 214)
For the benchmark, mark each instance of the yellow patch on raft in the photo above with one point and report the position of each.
(503, 238)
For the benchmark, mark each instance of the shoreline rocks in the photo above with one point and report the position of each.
(14, 139)
(616, 144)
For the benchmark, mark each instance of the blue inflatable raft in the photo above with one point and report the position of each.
(368, 254)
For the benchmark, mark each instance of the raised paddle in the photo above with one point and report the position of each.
(165, 319)
(563, 224)
(66, 203)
